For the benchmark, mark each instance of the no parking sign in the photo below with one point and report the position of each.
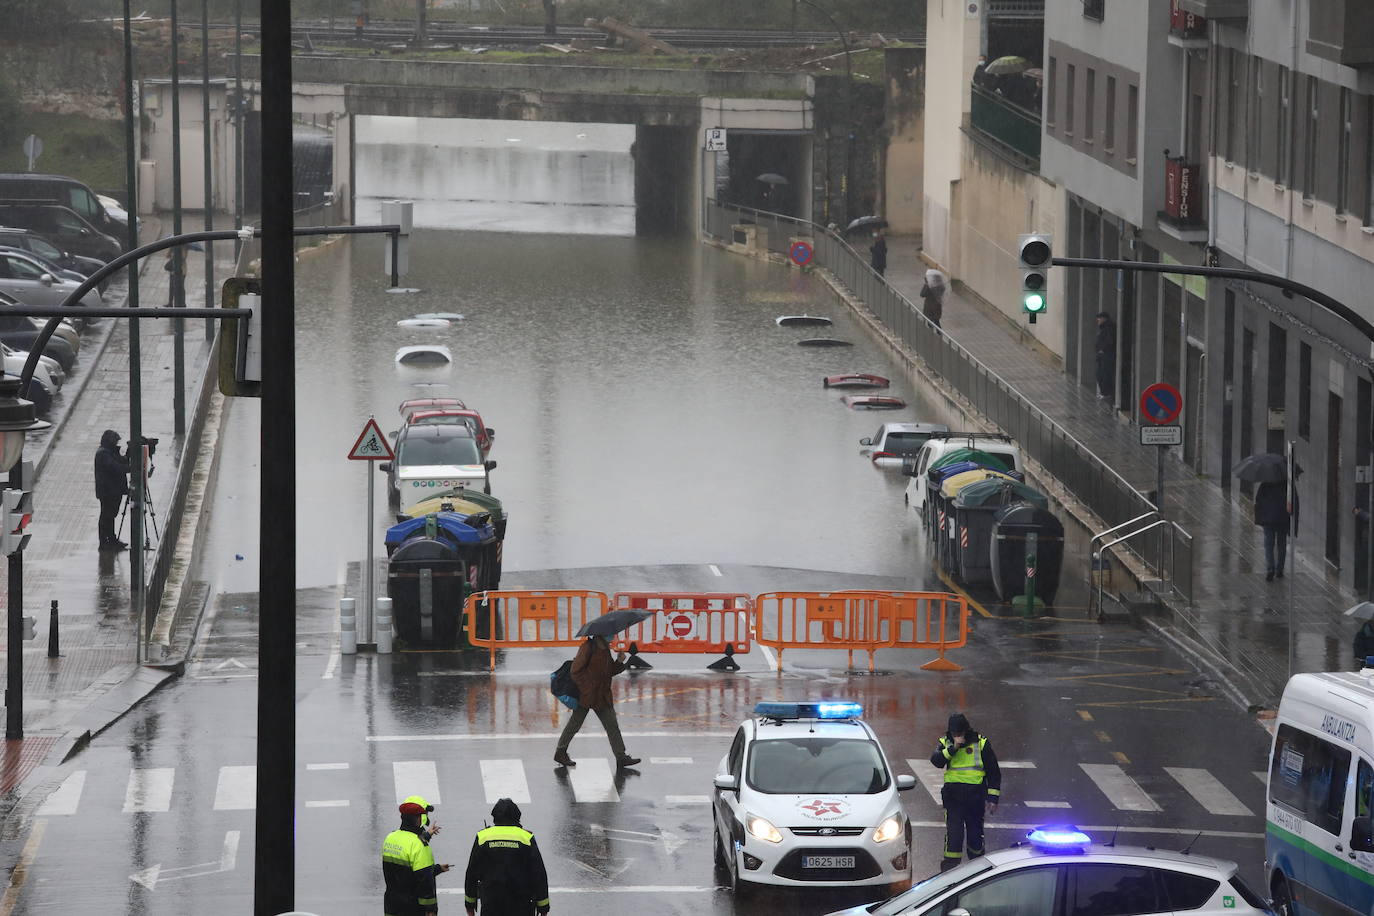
(801, 253)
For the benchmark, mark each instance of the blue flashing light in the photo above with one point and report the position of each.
(1059, 837)
(780, 710)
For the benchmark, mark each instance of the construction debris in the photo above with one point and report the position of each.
(639, 38)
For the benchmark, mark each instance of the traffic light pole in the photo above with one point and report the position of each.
(14, 673)
(1334, 306)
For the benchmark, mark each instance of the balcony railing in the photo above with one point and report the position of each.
(1008, 127)
(1183, 24)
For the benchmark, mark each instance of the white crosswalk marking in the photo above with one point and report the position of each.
(929, 776)
(1208, 791)
(663, 760)
(1016, 764)
(592, 780)
(237, 789)
(1121, 790)
(149, 790)
(505, 779)
(328, 803)
(416, 777)
(1048, 804)
(63, 802)
(326, 766)
(687, 799)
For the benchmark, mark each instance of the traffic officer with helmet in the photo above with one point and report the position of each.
(408, 865)
(973, 785)
(505, 869)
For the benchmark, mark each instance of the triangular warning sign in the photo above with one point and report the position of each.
(371, 444)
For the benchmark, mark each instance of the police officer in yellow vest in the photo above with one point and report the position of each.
(408, 866)
(505, 869)
(973, 784)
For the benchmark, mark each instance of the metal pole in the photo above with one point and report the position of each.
(395, 260)
(367, 558)
(208, 172)
(178, 259)
(1290, 547)
(240, 116)
(137, 575)
(1159, 482)
(274, 876)
(14, 682)
(1369, 523)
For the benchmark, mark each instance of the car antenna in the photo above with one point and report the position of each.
(1189, 848)
(1115, 830)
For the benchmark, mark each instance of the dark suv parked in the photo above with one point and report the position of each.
(64, 227)
(34, 188)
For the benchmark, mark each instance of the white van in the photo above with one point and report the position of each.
(941, 444)
(1318, 847)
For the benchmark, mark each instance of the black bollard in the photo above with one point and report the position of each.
(52, 632)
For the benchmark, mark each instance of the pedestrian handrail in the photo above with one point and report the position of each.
(516, 619)
(1095, 593)
(1093, 481)
(688, 622)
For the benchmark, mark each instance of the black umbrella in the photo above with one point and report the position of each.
(772, 178)
(866, 222)
(612, 622)
(1266, 468)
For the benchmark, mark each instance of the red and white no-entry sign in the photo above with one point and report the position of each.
(681, 626)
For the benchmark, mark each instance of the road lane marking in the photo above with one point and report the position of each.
(328, 803)
(64, 801)
(1121, 790)
(333, 664)
(1262, 776)
(326, 766)
(687, 799)
(505, 779)
(237, 788)
(1016, 764)
(1103, 737)
(592, 781)
(545, 736)
(769, 656)
(1208, 791)
(149, 790)
(715, 570)
(929, 776)
(1085, 715)
(1048, 804)
(416, 777)
(21, 869)
(1121, 758)
(957, 589)
(1107, 829)
(662, 760)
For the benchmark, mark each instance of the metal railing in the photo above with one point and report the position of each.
(1009, 127)
(1105, 492)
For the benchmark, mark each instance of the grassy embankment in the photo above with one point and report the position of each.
(85, 148)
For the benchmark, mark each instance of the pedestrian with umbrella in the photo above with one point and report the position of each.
(933, 292)
(1272, 507)
(592, 670)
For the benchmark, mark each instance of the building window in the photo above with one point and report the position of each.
(1283, 143)
(1132, 121)
(1094, 9)
(1343, 151)
(1070, 73)
(1305, 390)
(1252, 118)
(1232, 97)
(1109, 118)
(1309, 165)
(1090, 106)
(1051, 89)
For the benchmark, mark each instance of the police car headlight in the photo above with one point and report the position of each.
(889, 829)
(762, 829)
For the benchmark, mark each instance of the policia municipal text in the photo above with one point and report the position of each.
(973, 782)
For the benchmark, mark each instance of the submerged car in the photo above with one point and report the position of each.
(806, 798)
(895, 442)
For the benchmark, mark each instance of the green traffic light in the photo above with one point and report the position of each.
(1033, 302)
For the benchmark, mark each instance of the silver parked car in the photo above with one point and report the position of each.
(33, 284)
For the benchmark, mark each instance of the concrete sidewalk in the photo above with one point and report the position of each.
(1238, 624)
(96, 678)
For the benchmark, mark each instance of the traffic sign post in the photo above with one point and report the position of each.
(371, 446)
(1161, 404)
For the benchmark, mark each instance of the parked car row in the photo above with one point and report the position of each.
(442, 446)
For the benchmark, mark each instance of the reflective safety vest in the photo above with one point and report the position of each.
(965, 763)
(408, 867)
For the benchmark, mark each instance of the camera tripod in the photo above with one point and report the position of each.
(149, 510)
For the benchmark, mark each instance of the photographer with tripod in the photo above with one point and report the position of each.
(111, 487)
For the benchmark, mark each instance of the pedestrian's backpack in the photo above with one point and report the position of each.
(562, 685)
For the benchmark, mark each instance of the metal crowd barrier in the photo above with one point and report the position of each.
(701, 623)
(517, 619)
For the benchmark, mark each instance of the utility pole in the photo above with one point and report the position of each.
(136, 568)
(178, 258)
(208, 174)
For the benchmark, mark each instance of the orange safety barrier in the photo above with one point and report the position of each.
(863, 620)
(695, 622)
(516, 619)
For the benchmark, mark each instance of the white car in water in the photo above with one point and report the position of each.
(805, 798)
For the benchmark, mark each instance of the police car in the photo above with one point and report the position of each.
(1059, 871)
(805, 797)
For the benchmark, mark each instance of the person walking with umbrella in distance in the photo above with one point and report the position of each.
(592, 670)
(1273, 509)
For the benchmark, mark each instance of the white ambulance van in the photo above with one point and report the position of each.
(1318, 847)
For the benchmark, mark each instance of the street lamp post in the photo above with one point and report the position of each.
(17, 419)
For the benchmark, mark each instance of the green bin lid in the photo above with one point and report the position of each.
(999, 492)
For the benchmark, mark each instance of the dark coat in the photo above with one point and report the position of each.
(1105, 345)
(878, 254)
(506, 873)
(1364, 641)
(1271, 505)
(592, 670)
(111, 468)
(934, 307)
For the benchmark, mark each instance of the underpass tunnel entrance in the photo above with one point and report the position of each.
(767, 169)
(665, 169)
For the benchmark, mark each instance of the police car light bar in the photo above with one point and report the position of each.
(1061, 838)
(780, 710)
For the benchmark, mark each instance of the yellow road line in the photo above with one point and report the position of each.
(1154, 672)
(1085, 715)
(1103, 737)
(1156, 702)
(1121, 758)
(952, 586)
(21, 870)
